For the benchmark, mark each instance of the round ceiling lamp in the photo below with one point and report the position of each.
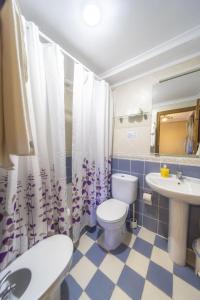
(92, 15)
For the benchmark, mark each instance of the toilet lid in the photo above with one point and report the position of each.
(112, 210)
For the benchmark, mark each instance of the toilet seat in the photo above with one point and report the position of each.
(49, 261)
(112, 210)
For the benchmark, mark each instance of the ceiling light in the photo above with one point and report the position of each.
(92, 15)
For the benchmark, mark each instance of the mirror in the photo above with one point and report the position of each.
(175, 129)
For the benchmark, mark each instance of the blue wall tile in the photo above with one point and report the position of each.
(146, 187)
(172, 167)
(150, 211)
(114, 164)
(164, 215)
(139, 219)
(124, 165)
(140, 179)
(163, 202)
(163, 229)
(194, 224)
(139, 205)
(150, 224)
(190, 171)
(151, 167)
(115, 171)
(155, 198)
(137, 166)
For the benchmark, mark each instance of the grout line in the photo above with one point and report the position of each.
(158, 213)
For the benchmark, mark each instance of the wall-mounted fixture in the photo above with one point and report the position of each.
(138, 114)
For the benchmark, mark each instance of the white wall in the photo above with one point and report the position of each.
(134, 138)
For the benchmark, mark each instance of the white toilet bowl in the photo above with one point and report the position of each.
(112, 213)
(111, 216)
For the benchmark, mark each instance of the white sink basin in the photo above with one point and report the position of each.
(181, 193)
(187, 189)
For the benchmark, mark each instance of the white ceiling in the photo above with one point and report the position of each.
(133, 37)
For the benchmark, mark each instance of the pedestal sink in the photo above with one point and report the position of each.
(181, 193)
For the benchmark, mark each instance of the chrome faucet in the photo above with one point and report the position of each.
(179, 175)
(4, 292)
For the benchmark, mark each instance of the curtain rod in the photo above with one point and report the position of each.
(44, 36)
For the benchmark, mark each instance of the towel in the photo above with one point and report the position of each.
(15, 127)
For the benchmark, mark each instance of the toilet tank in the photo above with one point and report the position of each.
(124, 187)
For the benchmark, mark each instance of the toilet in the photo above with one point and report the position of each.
(48, 263)
(112, 213)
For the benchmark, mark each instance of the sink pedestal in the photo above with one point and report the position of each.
(178, 225)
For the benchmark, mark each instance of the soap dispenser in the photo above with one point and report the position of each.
(164, 171)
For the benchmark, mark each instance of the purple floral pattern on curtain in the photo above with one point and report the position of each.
(22, 223)
(90, 189)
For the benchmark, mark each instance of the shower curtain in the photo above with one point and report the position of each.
(33, 196)
(91, 147)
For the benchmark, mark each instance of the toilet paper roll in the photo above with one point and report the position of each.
(147, 197)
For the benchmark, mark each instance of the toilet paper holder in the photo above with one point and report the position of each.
(147, 198)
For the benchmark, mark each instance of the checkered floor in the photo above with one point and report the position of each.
(139, 269)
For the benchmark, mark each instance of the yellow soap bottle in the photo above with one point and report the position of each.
(164, 171)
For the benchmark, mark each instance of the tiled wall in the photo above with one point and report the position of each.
(156, 217)
(69, 169)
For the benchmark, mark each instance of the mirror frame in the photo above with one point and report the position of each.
(196, 109)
